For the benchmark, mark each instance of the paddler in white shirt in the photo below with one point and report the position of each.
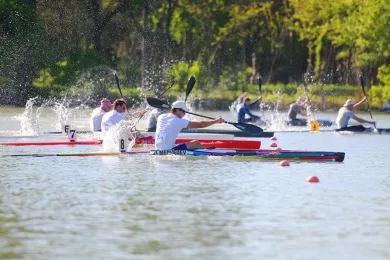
(98, 113)
(347, 112)
(113, 117)
(118, 114)
(169, 126)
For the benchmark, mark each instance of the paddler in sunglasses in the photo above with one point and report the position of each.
(169, 126)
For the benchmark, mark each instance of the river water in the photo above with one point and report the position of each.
(193, 208)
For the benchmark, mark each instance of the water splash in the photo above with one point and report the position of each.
(77, 116)
(278, 119)
(125, 130)
(29, 121)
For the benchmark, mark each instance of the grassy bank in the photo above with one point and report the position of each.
(323, 97)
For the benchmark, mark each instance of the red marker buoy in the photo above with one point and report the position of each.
(313, 179)
(284, 163)
(273, 145)
(274, 138)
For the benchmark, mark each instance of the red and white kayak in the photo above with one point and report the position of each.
(233, 144)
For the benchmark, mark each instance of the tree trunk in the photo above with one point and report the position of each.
(145, 46)
(96, 33)
(25, 69)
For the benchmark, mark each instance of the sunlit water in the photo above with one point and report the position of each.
(144, 207)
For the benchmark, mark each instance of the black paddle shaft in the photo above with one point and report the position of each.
(248, 128)
(117, 83)
(364, 92)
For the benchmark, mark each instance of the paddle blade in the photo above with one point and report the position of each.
(117, 83)
(248, 128)
(363, 84)
(190, 86)
(157, 103)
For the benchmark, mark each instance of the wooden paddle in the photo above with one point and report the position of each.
(364, 92)
(247, 128)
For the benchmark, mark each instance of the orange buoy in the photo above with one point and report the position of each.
(284, 163)
(313, 179)
(274, 138)
(273, 145)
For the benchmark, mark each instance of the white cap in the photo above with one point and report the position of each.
(349, 102)
(180, 105)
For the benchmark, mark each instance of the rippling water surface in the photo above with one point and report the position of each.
(196, 208)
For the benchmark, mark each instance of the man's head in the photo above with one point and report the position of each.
(247, 101)
(349, 104)
(300, 101)
(120, 105)
(105, 104)
(179, 108)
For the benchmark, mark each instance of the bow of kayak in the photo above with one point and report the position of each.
(259, 154)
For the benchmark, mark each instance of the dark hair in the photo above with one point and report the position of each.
(119, 102)
(247, 99)
(173, 110)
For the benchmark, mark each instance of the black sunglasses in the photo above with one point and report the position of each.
(182, 110)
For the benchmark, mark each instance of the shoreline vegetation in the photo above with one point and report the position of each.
(274, 96)
(70, 49)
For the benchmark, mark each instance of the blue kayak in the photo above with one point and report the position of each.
(257, 154)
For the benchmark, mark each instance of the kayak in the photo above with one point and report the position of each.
(304, 122)
(257, 154)
(218, 143)
(351, 129)
(232, 144)
(236, 133)
(362, 129)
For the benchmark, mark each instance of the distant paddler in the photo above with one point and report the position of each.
(169, 126)
(98, 113)
(243, 111)
(346, 113)
(386, 106)
(153, 117)
(297, 108)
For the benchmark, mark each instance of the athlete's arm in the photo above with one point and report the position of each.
(203, 124)
(247, 111)
(361, 120)
(358, 103)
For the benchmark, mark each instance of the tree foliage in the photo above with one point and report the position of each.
(48, 47)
